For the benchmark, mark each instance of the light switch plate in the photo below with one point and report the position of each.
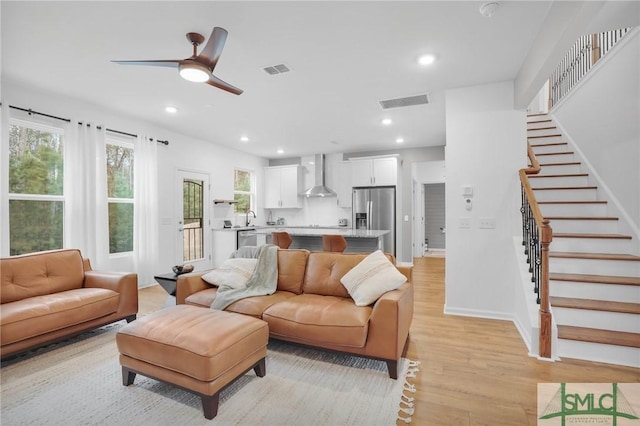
(464, 223)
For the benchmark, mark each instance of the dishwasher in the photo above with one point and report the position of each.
(247, 237)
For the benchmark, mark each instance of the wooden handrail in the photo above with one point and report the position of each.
(546, 236)
(534, 168)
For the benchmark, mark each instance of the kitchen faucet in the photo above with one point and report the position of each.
(247, 217)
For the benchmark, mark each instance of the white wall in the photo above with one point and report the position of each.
(602, 118)
(183, 152)
(486, 146)
(429, 171)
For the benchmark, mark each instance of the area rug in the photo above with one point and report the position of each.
(79, 382)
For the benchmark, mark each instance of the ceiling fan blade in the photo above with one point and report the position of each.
(212, 50)
(171, 63)
(216, 82)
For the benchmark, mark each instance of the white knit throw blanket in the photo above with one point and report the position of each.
(263, 281)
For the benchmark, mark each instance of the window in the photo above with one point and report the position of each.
(120, 195)
(36, 199)
(243, 191)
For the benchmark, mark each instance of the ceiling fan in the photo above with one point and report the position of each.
(197, 68)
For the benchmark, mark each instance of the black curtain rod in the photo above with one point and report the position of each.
(125, 133)
(39, 113)
(30, 112)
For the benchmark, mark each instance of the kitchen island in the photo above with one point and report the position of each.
(226, 240)
(310, 238)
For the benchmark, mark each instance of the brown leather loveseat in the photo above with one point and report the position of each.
(312, 307)
(50, 295)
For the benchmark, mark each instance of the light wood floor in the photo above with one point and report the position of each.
(474, 371)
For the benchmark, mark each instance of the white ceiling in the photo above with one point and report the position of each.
(344, 56)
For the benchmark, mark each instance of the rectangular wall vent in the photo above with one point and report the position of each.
(405, 102)
(277, 69)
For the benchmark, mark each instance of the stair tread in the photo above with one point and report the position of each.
(537, 114)
(543, 128)
(595, 305)
(538, 145)
(595, 279)
(581, 217)
(594, 256)
(554, 135)
(582, 235)
(573, 202)
(563, 188)
(566, 163)
(559, 175)
(595, 335)
(547, 154)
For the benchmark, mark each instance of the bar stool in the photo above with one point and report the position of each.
(281, 239)
(335, 243)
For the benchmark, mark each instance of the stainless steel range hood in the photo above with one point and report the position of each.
(319, 189)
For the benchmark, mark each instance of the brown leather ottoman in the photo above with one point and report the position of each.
(198, 349)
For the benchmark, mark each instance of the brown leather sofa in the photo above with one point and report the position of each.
(50, 295)
(312, 307)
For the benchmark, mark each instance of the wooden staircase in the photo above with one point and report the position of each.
(594, 271)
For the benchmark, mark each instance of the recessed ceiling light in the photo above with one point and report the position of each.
(399, 140)
(386, 121)
(171, 109)
(244, 138)
(426, 59)
(280, 151)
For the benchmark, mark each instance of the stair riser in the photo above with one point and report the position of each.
(594, 267)
(573, 209)
(536, 124)
(565, 195)
(540, 131)
(591, 245)
(549, 148)
(597, 319)
(546, 182)
(611, 292)
(620, 355)
(556, 170)
(585, 226)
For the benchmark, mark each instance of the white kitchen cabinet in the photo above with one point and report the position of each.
(282, 187)
(343, 184)
(374, 172)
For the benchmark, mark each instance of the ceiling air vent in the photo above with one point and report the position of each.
(405, 102)
(276, 69)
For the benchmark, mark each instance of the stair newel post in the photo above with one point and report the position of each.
(545, 314)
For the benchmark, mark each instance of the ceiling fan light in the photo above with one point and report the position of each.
(194, 72)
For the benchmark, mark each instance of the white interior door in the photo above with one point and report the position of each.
(194, 226)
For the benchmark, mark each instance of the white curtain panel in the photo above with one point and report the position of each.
(145, 212)
(85, 199)
(79, 175)
(99, 189)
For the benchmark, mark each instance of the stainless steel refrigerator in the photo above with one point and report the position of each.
(375, 208)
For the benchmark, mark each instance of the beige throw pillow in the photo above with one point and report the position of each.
(232, 273)
(371, 278)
